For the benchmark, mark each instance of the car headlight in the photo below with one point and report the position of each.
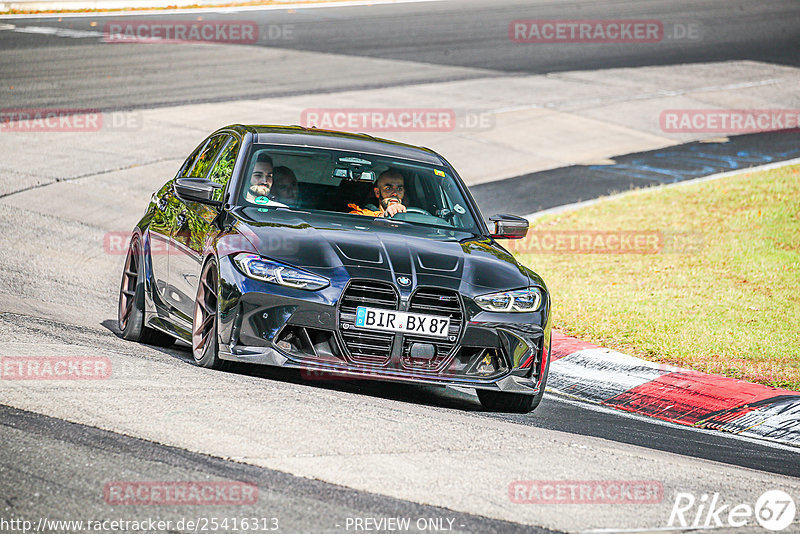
(279, 273)
(520, 300)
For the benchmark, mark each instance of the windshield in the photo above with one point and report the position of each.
(361, 185)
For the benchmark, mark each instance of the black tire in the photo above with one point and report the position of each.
(205, 348)
(130, 311)
(500, 401)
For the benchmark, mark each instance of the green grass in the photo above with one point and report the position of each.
(721, 296)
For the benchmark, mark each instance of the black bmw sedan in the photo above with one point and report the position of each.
(340, 254)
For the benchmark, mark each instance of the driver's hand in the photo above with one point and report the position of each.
(393, 209)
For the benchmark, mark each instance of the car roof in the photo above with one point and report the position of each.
(313, 137)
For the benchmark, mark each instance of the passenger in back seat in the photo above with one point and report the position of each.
(284, 186)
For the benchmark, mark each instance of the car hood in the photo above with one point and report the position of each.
(345, 246)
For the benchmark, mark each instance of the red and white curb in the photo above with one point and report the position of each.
(682, 396)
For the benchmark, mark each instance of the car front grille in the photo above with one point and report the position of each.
(366, 347)
(434, 301)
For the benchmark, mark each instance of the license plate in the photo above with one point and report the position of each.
(397, 321)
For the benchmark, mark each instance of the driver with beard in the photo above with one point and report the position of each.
(389, 191)
(261, 183)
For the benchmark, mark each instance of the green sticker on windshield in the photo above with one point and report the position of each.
(437, 172)
(261, 200)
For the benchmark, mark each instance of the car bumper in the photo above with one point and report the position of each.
(268, 356)
(264, 324)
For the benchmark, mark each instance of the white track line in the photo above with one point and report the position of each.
(232, 9)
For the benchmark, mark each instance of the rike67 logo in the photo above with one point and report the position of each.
(774, 510)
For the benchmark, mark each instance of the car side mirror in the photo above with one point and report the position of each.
(197, 190)
(509, 227)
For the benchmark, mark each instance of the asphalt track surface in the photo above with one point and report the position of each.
(464, 39)
(62, 450)
(543, 190)
(468, 39)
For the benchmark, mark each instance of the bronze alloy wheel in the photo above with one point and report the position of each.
(130, 312)
(204, 325)
(127, 291)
